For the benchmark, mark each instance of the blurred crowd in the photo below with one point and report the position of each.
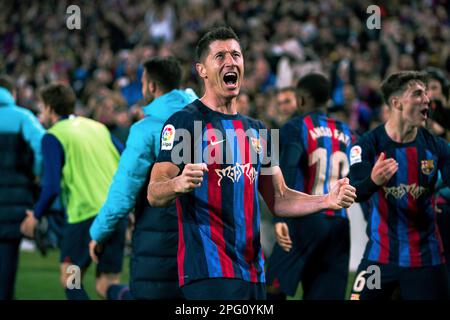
(281, 40)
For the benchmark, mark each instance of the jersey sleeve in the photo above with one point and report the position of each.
(176, 139)
(53, 159)
(291, 151)
(362, 157)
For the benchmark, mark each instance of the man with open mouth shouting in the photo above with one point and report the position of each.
(216, 185)
(396, 166)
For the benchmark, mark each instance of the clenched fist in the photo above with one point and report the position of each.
(190, 178)
(342, 195)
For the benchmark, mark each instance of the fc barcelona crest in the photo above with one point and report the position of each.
(256, 143)
(427, 166)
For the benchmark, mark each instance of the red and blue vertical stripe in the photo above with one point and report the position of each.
(409, 237)
(399, 232)
(221, 226)
(311, 145)
(243, 199)
(379, 241)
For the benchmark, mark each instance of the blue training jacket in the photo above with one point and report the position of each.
(20, 141)
(142, 148)
(18, 120)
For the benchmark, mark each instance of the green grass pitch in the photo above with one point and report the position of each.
(38, 278)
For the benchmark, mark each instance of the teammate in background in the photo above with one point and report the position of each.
(439, 94)
(219, 250)
(396, 166)
(314, 154)
(20, 162)
(153, 265)
(80, 159)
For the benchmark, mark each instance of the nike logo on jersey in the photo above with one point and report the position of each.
(213, 143)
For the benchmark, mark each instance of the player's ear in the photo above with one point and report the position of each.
(201, 70)
(152, 87)
(395, 103)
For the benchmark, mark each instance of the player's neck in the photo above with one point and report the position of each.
(54, 118)
(226, 106)
(314, 108)
(399, 131)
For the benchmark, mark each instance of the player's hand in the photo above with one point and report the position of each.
(342, 195)
(282, 236)
(383, 170)
(190, 178)
(438, 202)
(28, 224)
(94, 249)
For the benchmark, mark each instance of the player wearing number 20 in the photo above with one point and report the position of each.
(314, 153)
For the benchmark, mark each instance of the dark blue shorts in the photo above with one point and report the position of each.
(319, 258)
(224, 289)
(376, 281)
(75, 246)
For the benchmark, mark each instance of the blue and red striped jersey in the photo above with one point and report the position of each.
(219, 222)
(402, 226)
(314, 154)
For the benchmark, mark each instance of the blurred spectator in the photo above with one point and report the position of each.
(360, 115)
(243, 104)
(286, 105)
(160, 22)
(438, 92)
(281, 40)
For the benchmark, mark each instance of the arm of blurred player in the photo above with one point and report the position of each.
(165, 184)
(128, 180)
(53, 160)
(285, 202)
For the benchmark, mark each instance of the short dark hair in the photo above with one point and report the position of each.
(397, 82)
(438, 75)
(165, 71)
(217, 33)
(59, 97)
(317, 85)
(286, 89)
(7, 82)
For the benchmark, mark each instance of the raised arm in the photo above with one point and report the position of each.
(368, 179)
(286, 202)
(165, 183)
